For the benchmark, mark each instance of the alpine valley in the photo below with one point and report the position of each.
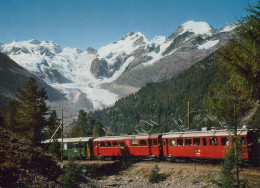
(94, 79)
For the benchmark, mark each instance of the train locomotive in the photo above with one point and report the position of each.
(204, 144)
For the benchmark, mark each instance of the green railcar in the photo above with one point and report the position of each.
(79, 147)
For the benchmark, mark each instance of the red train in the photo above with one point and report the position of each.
(205, 144)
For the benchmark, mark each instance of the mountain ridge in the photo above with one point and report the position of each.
(129, 63)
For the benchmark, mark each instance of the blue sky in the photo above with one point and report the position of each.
(95, 23)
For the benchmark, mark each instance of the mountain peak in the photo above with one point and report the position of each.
(34, 41)
(197, 28)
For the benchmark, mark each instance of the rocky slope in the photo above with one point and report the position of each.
(13, 76)
(97, 78)
(23, 165)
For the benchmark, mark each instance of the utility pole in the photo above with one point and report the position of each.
(188, 115)
(61, 156)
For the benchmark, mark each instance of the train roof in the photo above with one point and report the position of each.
(125, 137)
(67, 140)
(241, 132)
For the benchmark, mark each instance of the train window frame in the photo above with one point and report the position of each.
(188, 142)
(196, 142)
(225, 141)
(155, 142)
(102, 144)
(134, 142)
(114, 143)
(143, 143)
(204, 141)
(120, 143)
(180, 143)
(213, 141)
(172, 142)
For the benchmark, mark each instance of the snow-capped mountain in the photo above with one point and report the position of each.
(94, 79)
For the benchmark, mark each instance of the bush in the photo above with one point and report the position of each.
(72, 175)
(155, 176)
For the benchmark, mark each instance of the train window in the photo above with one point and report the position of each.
(95, 144)
(172, 142)
(115, 144)
(108, 144)
(142, 142)
(121, 143)
(180, 142)
(225, 141)
(243, 141)
(188, 142)
(196, 141)
(213, 141)
(71, 146)
(150, 142)
(134, 143)
(155, 143)
(102, 144)
(204, 141)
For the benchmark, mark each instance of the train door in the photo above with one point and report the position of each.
(88, 146)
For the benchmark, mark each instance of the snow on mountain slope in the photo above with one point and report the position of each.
(82, 75)
(161, 44)
(208, 44)
(198, 28)
(124, 47)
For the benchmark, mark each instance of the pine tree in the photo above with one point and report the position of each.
(10, 120)
(241, 56)
(53, 123)
(238, 86)
(91, 124)
(31, 111)
(98, 131)
(82, 123)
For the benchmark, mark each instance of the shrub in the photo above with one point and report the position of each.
(72, 175)
(155, 176)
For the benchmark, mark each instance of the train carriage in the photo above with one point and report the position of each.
(109, 146)
(129, 145)
(79, 147)
(206, 144)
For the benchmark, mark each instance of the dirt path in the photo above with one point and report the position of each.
(179, 175)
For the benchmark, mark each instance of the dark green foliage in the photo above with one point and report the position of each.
(165, 101)
(31, 111)
(10, 120)
(155, 176)
(82, 123)
(54, 149)
(237, 90)
(241, 56)
(228, 176)
(53, 123)
(99, 131)
(83, 126)
(72, 175)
